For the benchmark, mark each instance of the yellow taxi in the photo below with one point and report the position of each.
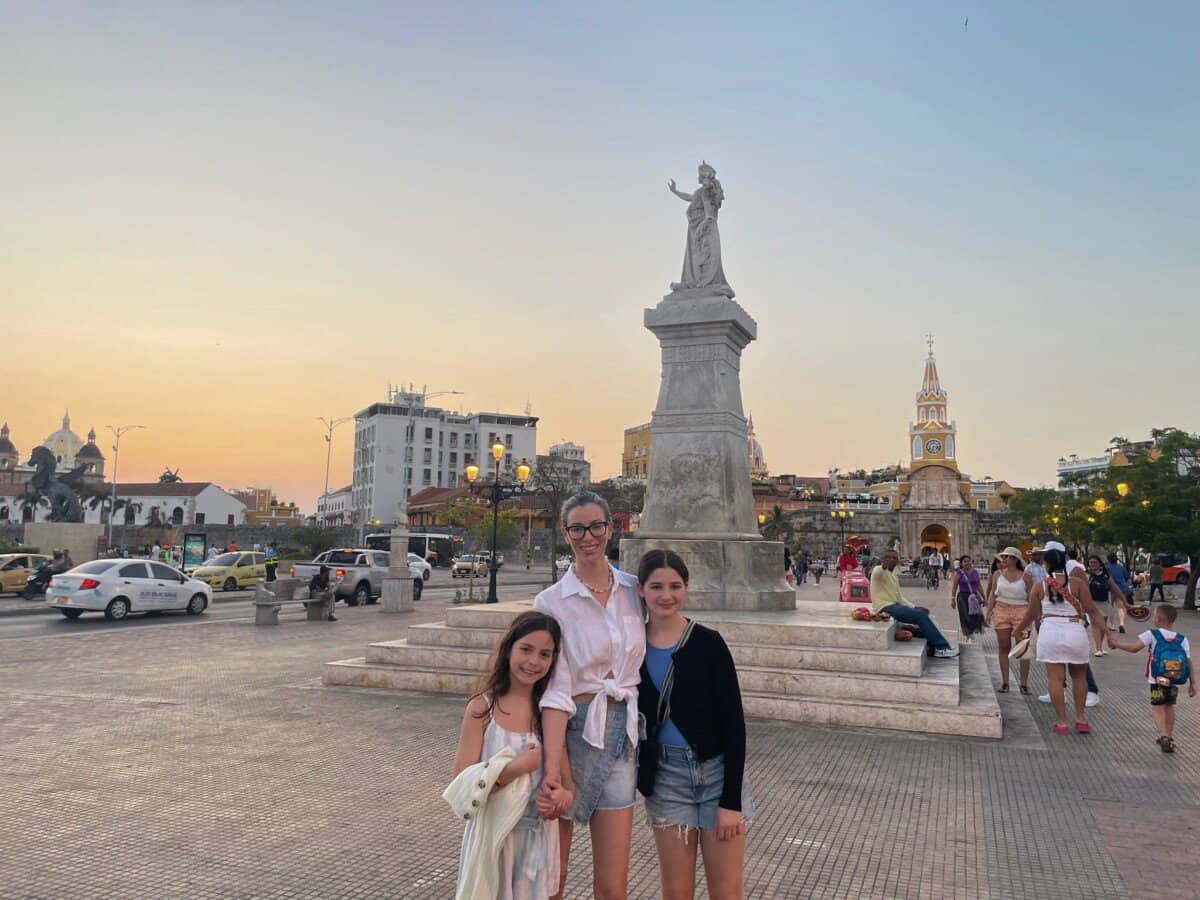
(233, 570)
(15, 569)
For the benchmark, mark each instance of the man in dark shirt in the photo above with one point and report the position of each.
(318, 586)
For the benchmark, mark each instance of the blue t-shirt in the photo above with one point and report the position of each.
(1120, 575)
(657, 661)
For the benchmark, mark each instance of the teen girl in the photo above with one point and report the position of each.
(505, 714)
(590, 708)
(692, 768)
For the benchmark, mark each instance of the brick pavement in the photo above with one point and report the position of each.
(202, 758)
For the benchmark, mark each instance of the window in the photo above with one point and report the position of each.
(229, 519)
(428, 434)
(164, 573)
(454, 439)
(199, 518)
(467, 438)
(981, 505)
(134, 570)
(453, 465)
(508, 441)
(428, 458)
(427, 477)
(177, 516)
(441, 438)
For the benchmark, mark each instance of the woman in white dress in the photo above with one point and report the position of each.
(1061, 606)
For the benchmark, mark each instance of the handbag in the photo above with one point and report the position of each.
(1023, 649)
(648, 749)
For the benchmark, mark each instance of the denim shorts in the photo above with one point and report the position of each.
(687, 791)
(604, 779)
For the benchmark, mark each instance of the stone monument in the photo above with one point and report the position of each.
(397, 592)
(698, 497)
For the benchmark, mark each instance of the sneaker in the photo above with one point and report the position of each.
(946, 653)
(1045, 698)
(1092, 699)
(331, 619)
(1121, 630)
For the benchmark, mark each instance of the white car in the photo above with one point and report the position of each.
(419, 566)
(118, 587)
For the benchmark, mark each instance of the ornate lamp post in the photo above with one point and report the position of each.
(496, 493)
(841, 514)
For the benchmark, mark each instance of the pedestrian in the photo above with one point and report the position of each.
(594, 690)
(1007, 603)
(318, 586)
(1169, 665)
(886, 597)
(802, 566)
(271, 558)
(691, 767)
(503, 726)
(946, 566)
(1060, 605)
(156, 552)
(847, 561)
(819, 569)
(966, 596)
(1034, 569)
(1101, 586)
(213, 552)
(1123, 597)
(787, 566)
(1155, 572)
(1075, 570)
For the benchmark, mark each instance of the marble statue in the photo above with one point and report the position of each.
(702, 270)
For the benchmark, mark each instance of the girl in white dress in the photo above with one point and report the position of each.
(505, 714)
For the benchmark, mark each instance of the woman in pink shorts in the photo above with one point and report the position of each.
(1007, 603)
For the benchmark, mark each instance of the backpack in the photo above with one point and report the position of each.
(1167, 659)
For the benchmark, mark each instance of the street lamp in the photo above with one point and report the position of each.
(117, 431)
(495, 494)
(841, 514)
(330, 424)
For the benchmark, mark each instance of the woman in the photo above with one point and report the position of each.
(691, 768)
(1007, 603)
(966, 597)
(1101, 585)
(702, 255)
(590, 708)
(1060, 605)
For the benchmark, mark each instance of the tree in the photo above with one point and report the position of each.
(777, 526)
(312, 539)
(556, 481)
(476, 519)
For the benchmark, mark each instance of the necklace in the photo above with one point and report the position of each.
(596, 590)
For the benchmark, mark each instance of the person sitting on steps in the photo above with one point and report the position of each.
(886, 597)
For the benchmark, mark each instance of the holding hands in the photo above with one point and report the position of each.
(553, 799)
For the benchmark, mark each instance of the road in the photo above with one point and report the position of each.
(239, 605)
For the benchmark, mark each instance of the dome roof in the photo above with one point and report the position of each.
(6, 446)
(89, 451)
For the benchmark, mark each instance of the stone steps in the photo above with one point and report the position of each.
(814, 664)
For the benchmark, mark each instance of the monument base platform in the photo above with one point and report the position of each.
(722, 573)
(80, 538)
(813, 664)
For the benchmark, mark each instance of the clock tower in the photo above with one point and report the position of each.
(931, 434)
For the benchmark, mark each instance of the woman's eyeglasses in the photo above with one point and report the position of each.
(596, 529)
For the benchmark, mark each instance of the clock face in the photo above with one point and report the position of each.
(933, 445)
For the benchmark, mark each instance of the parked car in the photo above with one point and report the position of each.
(15, 569)
(467, 565)
(357, 574)
(1179, 574)
(230, 571)
(118, 587)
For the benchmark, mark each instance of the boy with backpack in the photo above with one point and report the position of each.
(1168, 665)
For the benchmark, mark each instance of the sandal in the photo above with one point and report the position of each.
(1083, 728)
(1025, 689)
(1004, 688)
(1166, 744)
(1059, 729)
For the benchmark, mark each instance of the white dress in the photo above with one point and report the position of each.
(528, 871)
(1060, 640)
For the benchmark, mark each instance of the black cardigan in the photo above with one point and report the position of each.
(706, 707)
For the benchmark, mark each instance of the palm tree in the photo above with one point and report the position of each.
(777, 526)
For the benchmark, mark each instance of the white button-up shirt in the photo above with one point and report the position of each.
(597, 640)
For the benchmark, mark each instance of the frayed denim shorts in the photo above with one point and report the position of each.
(687, 790)
(604, 779)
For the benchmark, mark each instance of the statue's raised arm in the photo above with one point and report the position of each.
(702, 272)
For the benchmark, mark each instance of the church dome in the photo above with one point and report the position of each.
(6, 446)
(89, 451)
(64, 444)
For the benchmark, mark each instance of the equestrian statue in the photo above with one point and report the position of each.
(60, 492)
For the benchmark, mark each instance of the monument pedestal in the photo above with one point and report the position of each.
(80, 538)
(396, 596)
(698, 496)
(723, 574)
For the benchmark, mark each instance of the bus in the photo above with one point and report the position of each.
(436, 549)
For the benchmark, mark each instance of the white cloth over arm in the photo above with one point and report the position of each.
(598, 642)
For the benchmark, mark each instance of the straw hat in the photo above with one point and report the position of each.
(1013, 552)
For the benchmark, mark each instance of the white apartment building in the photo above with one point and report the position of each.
(403, 446)
(333, 509)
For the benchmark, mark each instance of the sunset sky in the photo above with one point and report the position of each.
(223, 220)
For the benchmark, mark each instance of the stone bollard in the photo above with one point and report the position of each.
(266, 610)
(396, 595)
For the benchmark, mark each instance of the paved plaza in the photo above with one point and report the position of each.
(180, 757)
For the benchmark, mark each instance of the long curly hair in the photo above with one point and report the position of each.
(498, 681)
(714, 186)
